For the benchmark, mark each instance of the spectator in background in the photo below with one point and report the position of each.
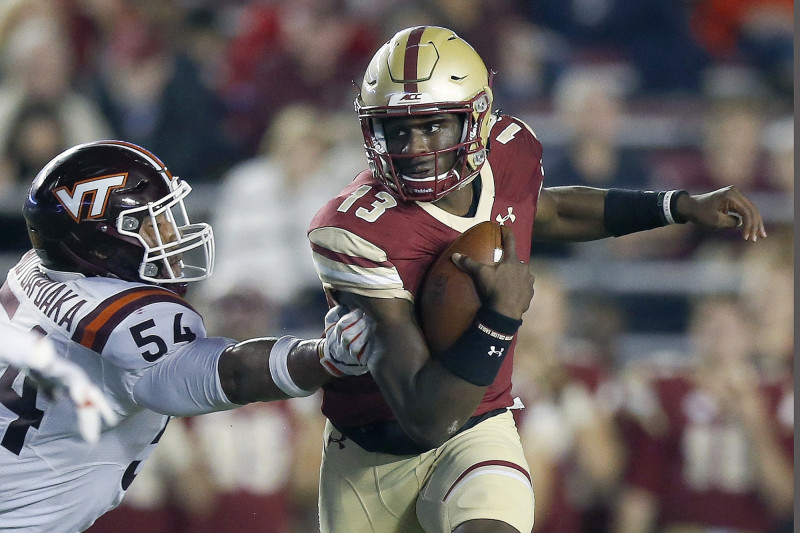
(768, 285)
(757, 32)
(530, 59)
(714, 448)
(152, 93)
(37, 70)
(778, 141)
(730, 151)
(590, 103)
(567, 426)
(265, 204)
(731, 147)
(284, 53)
(35, 136)
(652, 35)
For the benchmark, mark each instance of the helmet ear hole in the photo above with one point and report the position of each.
(129, 223)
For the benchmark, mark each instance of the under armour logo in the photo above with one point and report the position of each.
(510, 216)
(338, 441)
(95, 189)
(495, 351)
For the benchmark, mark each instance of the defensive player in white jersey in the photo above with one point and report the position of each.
(113, 250)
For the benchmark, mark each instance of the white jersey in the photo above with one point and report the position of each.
(119, 333)
(17, 346)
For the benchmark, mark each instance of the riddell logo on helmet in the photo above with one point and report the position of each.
(94, 190)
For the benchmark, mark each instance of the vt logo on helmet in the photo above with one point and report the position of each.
(425, 71)
(111, 208)
(96, 190)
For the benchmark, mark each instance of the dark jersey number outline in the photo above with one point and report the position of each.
(24, 406)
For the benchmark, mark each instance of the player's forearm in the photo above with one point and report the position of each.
(245, 375)
(430, 403)
(570, 214)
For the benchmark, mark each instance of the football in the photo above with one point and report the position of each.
(448, 301)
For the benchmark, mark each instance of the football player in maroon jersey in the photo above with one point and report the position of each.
(426, 443)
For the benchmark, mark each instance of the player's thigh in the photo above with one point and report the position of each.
(481, 474)
(364, 492)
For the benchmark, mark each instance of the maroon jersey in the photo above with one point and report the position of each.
(700, 467)
(367, 242)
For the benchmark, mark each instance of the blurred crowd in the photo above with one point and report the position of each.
(656, 369)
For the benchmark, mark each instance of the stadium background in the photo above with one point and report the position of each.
(251, 102)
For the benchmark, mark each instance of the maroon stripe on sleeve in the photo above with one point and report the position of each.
(95, 328)
(412, 56)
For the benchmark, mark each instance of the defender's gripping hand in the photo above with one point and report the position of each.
(58, 376)
(346, 351)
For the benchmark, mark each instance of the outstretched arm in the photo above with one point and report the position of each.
(213, 373)
(586, 213)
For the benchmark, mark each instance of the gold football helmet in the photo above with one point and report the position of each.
(426, 70)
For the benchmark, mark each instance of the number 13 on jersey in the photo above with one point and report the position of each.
(383, 201)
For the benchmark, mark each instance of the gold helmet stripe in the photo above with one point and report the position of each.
(412, 57)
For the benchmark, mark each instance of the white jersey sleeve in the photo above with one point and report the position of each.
(187, 382)
(171, 365)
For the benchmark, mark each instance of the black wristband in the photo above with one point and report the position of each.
(477, 355)
(631, 211)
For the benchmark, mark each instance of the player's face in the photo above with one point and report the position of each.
(423, 135)
(163, 233)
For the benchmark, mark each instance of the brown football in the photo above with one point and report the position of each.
(448, 301)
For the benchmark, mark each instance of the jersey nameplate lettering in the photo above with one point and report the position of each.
(53, 298)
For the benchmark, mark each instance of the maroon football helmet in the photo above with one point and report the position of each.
(111, 208)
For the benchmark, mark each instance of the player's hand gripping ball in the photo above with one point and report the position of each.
(448, 301)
